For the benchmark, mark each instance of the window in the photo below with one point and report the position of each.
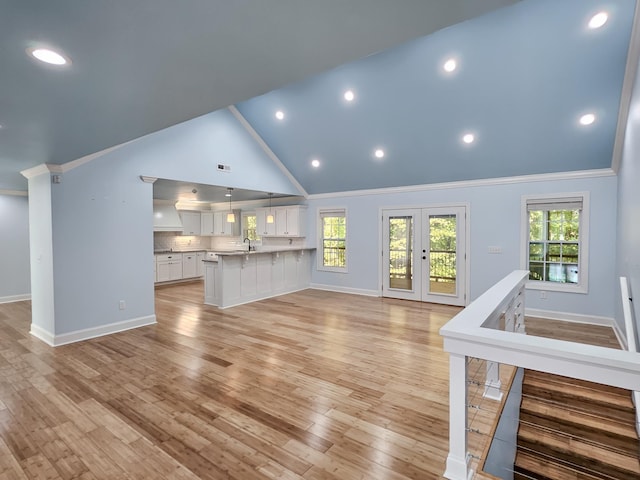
(333, 240)
(249, 226)
(555, 233)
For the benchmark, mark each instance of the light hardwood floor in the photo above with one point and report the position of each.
(311, 385)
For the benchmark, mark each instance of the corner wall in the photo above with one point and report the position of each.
(15, 278)
(628, 220)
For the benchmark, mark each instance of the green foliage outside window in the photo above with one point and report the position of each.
(334, 241)
(554, 245)
(249, 227)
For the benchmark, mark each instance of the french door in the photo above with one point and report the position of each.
(424, 254)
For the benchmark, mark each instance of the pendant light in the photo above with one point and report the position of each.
(231, 218)
(270, 218)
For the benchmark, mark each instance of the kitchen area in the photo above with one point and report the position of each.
(243, 250)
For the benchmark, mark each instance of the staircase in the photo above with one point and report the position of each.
(575, 430)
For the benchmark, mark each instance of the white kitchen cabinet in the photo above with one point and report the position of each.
(189, 265)
(200, 256)
(190, 222)
(168, 267)
(264, 229)
(222, 227)
(206, 224)
(290, 221)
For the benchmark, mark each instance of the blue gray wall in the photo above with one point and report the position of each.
(495, 214)
(14, 247)
(103, 214)
(628, 228)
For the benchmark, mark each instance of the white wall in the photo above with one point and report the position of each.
(628, 251)
(495, 213)
(102, 215)
(14, 248)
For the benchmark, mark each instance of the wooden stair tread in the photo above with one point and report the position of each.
(559, 379)
(530, 465)
(575, 430)
(572, 418)
(587, 456)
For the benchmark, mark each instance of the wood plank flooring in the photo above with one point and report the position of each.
(312, 385)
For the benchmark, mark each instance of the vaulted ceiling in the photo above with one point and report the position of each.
(525, 73)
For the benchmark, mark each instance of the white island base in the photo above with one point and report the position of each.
(243, 277)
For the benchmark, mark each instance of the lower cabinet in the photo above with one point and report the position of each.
(177, 266)
(168, 267)
(189, 265)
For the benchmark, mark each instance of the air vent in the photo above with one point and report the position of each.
(224, 168)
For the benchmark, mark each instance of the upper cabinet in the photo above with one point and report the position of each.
(263, 228)
(206, 223)
(289, 221)
(190, 222)
(222, 227)
(215, 223)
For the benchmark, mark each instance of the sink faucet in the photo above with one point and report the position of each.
(247, 240)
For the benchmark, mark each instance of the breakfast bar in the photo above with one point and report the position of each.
(238, 277)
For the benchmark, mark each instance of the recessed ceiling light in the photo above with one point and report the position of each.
(379, 153)
(450, 65)
(349, 95)
(315, 163)
(468, 138)
(587, 119)
(49, 56)
(598, 20)
(280, 115)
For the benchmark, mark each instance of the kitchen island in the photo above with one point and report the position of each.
(241, 277)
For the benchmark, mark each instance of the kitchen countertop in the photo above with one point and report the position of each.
(175, 250)
(262, 250)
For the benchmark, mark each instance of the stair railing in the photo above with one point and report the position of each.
(477, 332)
(631, 334)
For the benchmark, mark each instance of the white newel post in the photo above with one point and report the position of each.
(457, 460)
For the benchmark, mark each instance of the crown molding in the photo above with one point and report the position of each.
(274, 158)
(543, 177)
(15, 193)
(41, 169)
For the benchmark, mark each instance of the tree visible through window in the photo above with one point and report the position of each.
(249, 227)
(555, 240)
(334, 239)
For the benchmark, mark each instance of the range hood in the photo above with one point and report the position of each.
(165, 217)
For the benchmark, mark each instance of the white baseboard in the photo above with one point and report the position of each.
(353, 291)
(87, 333)
(622, 338)
(570, 317)
(578, 318)
(15, 298)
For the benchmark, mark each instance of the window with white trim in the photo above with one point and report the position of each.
(332, 239)
(249, 226)
(555, 234)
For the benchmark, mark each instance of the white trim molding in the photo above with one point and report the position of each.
(15, 193)
(15, 298)
(263, 145)
(570, 317)
(93, 332)
(542, 177)
(41, 169)
(349, 290)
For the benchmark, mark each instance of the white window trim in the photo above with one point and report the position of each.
(583, 275)
(319, 256)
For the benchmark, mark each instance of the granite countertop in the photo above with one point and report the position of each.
(262, 250)
(180, 250)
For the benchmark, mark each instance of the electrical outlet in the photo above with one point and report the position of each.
(122, 305)
(543, 295)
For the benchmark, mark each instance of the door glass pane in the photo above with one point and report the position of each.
(442, 254)
(401, 252)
